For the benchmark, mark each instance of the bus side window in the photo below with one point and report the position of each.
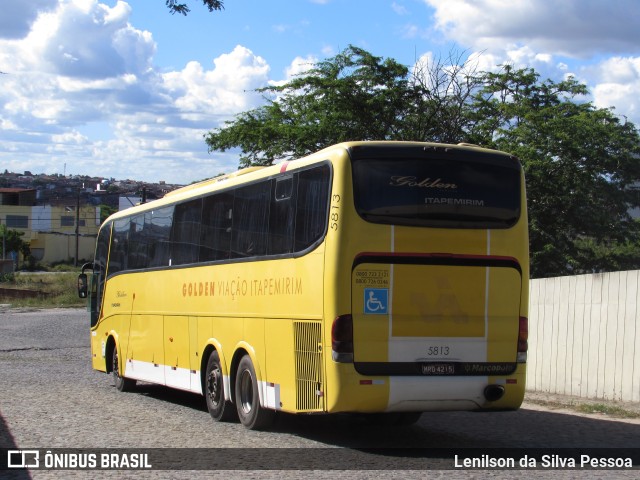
(185, 233)
(284, 188)
(157, 228)
(138, 246)
(312, 206)
(250, 220)
(215, 233)
(282, 216)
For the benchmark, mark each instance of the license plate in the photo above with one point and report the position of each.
(438, 369)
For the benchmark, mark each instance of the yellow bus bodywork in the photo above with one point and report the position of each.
(165, 322)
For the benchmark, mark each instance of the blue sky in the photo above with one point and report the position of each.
(126, 90)
(280, 30)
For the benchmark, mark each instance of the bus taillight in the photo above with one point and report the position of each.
(523, 337)
(342, 339)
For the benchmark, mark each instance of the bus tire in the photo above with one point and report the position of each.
(247, 398)
(219, 409)
(121, 383)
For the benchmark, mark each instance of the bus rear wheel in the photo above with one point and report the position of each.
(247, 399)
(219, 409)
(122, 384)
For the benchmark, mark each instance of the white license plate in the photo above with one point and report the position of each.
(438, 369)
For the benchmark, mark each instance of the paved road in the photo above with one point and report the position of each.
(51, 398)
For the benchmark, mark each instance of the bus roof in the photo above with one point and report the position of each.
(253, 173)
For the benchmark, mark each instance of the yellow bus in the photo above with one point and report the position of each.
(369, 277)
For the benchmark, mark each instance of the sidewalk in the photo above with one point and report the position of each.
(588, 407)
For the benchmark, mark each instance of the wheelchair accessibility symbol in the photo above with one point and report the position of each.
(376, 301)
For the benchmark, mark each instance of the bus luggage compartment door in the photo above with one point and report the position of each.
(435, 319)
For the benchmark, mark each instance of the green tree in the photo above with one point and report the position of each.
(106, 211)
(581, 164)
(175, 7)
(11, 241)
(111, 189)
(352, 96)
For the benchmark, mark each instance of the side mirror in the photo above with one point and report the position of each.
(83, 285)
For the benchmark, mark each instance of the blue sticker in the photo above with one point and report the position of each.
(376, 301)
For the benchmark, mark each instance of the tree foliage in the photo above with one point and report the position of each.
(106, 211)
(582, 163)
(175, 7)
(352, 96)
(12, 241)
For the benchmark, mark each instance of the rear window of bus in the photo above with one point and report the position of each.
(447, 189)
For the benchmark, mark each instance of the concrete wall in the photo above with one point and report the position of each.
(584, 336)
(50, 238)
(51, 247)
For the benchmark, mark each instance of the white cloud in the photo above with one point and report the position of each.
(83, 38)
(549, 36)
(82, 64)
(18, 16)
(399, 9)
(411, 30)
(82, 87)
(71, 137)
(574, 28)
(227, 89)
(618, 83)
(620, 70)
(328, 51)
(300, 65)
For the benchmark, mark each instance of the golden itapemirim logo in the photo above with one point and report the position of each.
(239, 287)
(411, 181)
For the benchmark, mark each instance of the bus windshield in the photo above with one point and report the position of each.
(438, 190)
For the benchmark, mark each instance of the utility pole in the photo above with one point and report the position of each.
(75, 260)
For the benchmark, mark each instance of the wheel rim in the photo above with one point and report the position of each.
(214, 386)
(246, 392)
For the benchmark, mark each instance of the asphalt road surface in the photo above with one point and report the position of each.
(51, 399)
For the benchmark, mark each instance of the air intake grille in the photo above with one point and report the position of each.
(308, 357)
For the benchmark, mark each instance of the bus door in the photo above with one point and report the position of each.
(94, 289)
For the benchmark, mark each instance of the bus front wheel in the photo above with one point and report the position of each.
(219, 409)
(122, 384)
(247, 399)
